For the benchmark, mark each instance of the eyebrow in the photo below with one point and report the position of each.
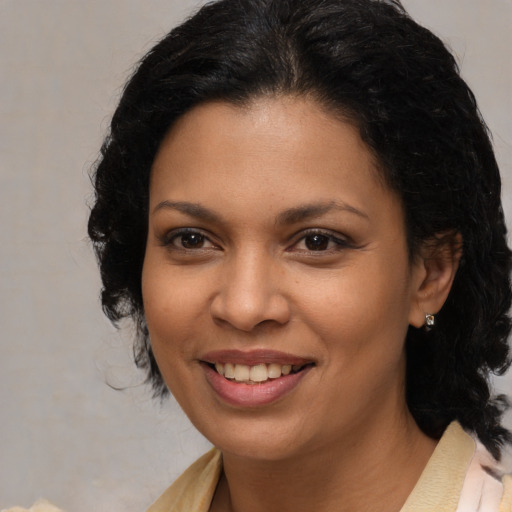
(190, 209)
(313, 210)
(291, 216)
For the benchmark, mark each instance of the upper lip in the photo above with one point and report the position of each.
(254, 357)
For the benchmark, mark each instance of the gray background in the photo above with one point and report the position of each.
(64, 433)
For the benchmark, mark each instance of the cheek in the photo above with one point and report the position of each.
(362, 306)
(169, 325)
(171, 308)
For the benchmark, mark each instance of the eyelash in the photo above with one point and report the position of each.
(169, 239)
(340, 243)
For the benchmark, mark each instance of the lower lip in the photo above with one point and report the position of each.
(253, 395)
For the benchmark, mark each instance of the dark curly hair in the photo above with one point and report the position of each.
(396, 81)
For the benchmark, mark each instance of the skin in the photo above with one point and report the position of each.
(248, 278)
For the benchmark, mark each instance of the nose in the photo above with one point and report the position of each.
(250, 293)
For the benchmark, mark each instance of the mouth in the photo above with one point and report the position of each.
(254, 378)
(256, 374)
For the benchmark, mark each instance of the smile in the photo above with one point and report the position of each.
(254, 378)
(255, 374)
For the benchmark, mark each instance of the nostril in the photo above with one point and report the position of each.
(247, 312)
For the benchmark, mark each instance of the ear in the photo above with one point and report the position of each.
(434, 270)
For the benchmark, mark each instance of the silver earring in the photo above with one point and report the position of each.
(430, 321)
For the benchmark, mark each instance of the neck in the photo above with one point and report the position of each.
(374, 470)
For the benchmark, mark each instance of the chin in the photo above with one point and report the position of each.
(262, 439)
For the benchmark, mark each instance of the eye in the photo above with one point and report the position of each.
(191, 240)
(188, 239)
(319, 242)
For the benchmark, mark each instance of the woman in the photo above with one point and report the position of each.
(299, 206)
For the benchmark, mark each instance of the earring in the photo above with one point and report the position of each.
(430, 321)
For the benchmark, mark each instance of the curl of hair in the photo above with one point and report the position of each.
(369, 62)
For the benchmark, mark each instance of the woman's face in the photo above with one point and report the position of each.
(276, 256)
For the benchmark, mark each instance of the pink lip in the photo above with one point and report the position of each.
(253, 357)
(253, 395)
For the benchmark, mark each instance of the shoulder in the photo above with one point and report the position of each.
(487, 488)
(194, 489)
(38, 506)
(506, 503)
(461, 476)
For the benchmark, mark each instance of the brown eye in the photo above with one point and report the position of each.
(187, 239)
(317, 242)
(192, 240)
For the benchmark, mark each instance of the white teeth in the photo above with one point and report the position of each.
(286, 369)
(274, 371)
(259, 373)
(242, 372)
(252, 374)
(229, 371)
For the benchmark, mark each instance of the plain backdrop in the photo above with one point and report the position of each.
(65, 434)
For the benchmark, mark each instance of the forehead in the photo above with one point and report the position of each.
(288, 149)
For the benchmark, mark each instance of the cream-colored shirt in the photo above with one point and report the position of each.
(460, 476)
